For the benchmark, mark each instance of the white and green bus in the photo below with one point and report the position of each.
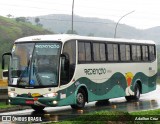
(59, 70)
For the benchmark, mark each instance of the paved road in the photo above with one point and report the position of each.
(147, 102)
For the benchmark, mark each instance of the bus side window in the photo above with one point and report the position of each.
(84, 52)
(110, 52)
(145, 53)
(134, 53)
(81, 51)
(96, 52)
(115, 52)
(68, 66)
(88, 52)
(123, 52)
(128, 57)
(151, 53)
(139, 56)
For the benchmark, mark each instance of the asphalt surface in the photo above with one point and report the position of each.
(148, 101)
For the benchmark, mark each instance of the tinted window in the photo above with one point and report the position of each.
(88, 51)
(134, 53)
(138, 53)
(123, 52)
(110, 52)
(128, 53)
(145, 53)
(151, 53)
(102, 52)
(81, 51)
(84, 51)
(115, 52)
(99, 52)
(96, 52)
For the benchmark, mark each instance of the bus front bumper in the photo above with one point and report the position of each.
(38, 101)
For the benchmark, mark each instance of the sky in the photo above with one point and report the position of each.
(143, 13)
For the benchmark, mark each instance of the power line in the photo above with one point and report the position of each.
(46, 2)
(74, 20)
(68, 11)
(40, 8)
(49, 3)
(33, 7)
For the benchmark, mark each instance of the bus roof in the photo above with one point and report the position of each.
(66, 37)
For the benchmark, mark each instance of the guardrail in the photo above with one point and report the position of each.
(3, 82)
(4, 91)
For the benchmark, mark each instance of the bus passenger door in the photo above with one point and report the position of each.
(64, 69)
(68, 61)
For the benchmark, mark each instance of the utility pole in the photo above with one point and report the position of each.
(72, 14)
(120, 20)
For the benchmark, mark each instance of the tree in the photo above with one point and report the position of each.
(21, 19)
(9, 16)
(37, 20)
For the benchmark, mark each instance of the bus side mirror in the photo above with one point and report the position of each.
(5, 74)
(3, 58)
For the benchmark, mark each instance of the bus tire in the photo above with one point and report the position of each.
(136, 95)
(128, 98)
(136, 92)
(37, 108)
(80, 99)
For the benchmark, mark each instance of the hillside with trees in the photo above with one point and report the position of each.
(12, 29)
(60, 23)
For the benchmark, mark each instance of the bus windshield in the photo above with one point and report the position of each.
(35, 64)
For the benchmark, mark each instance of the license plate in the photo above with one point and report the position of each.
(29, 102)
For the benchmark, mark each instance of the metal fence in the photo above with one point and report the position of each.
(4, 91)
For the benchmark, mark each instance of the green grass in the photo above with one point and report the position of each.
(4, 106)
(149, 112)
(114, 117)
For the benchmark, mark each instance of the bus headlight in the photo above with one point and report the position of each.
(50, 95)
(55, 102)
(12, 94)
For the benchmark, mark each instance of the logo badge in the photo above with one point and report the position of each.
(36, 95)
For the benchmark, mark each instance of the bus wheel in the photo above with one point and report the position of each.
(136, 95)
(128, 98)
(136, 92)
(80, 99)
(37, 108)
